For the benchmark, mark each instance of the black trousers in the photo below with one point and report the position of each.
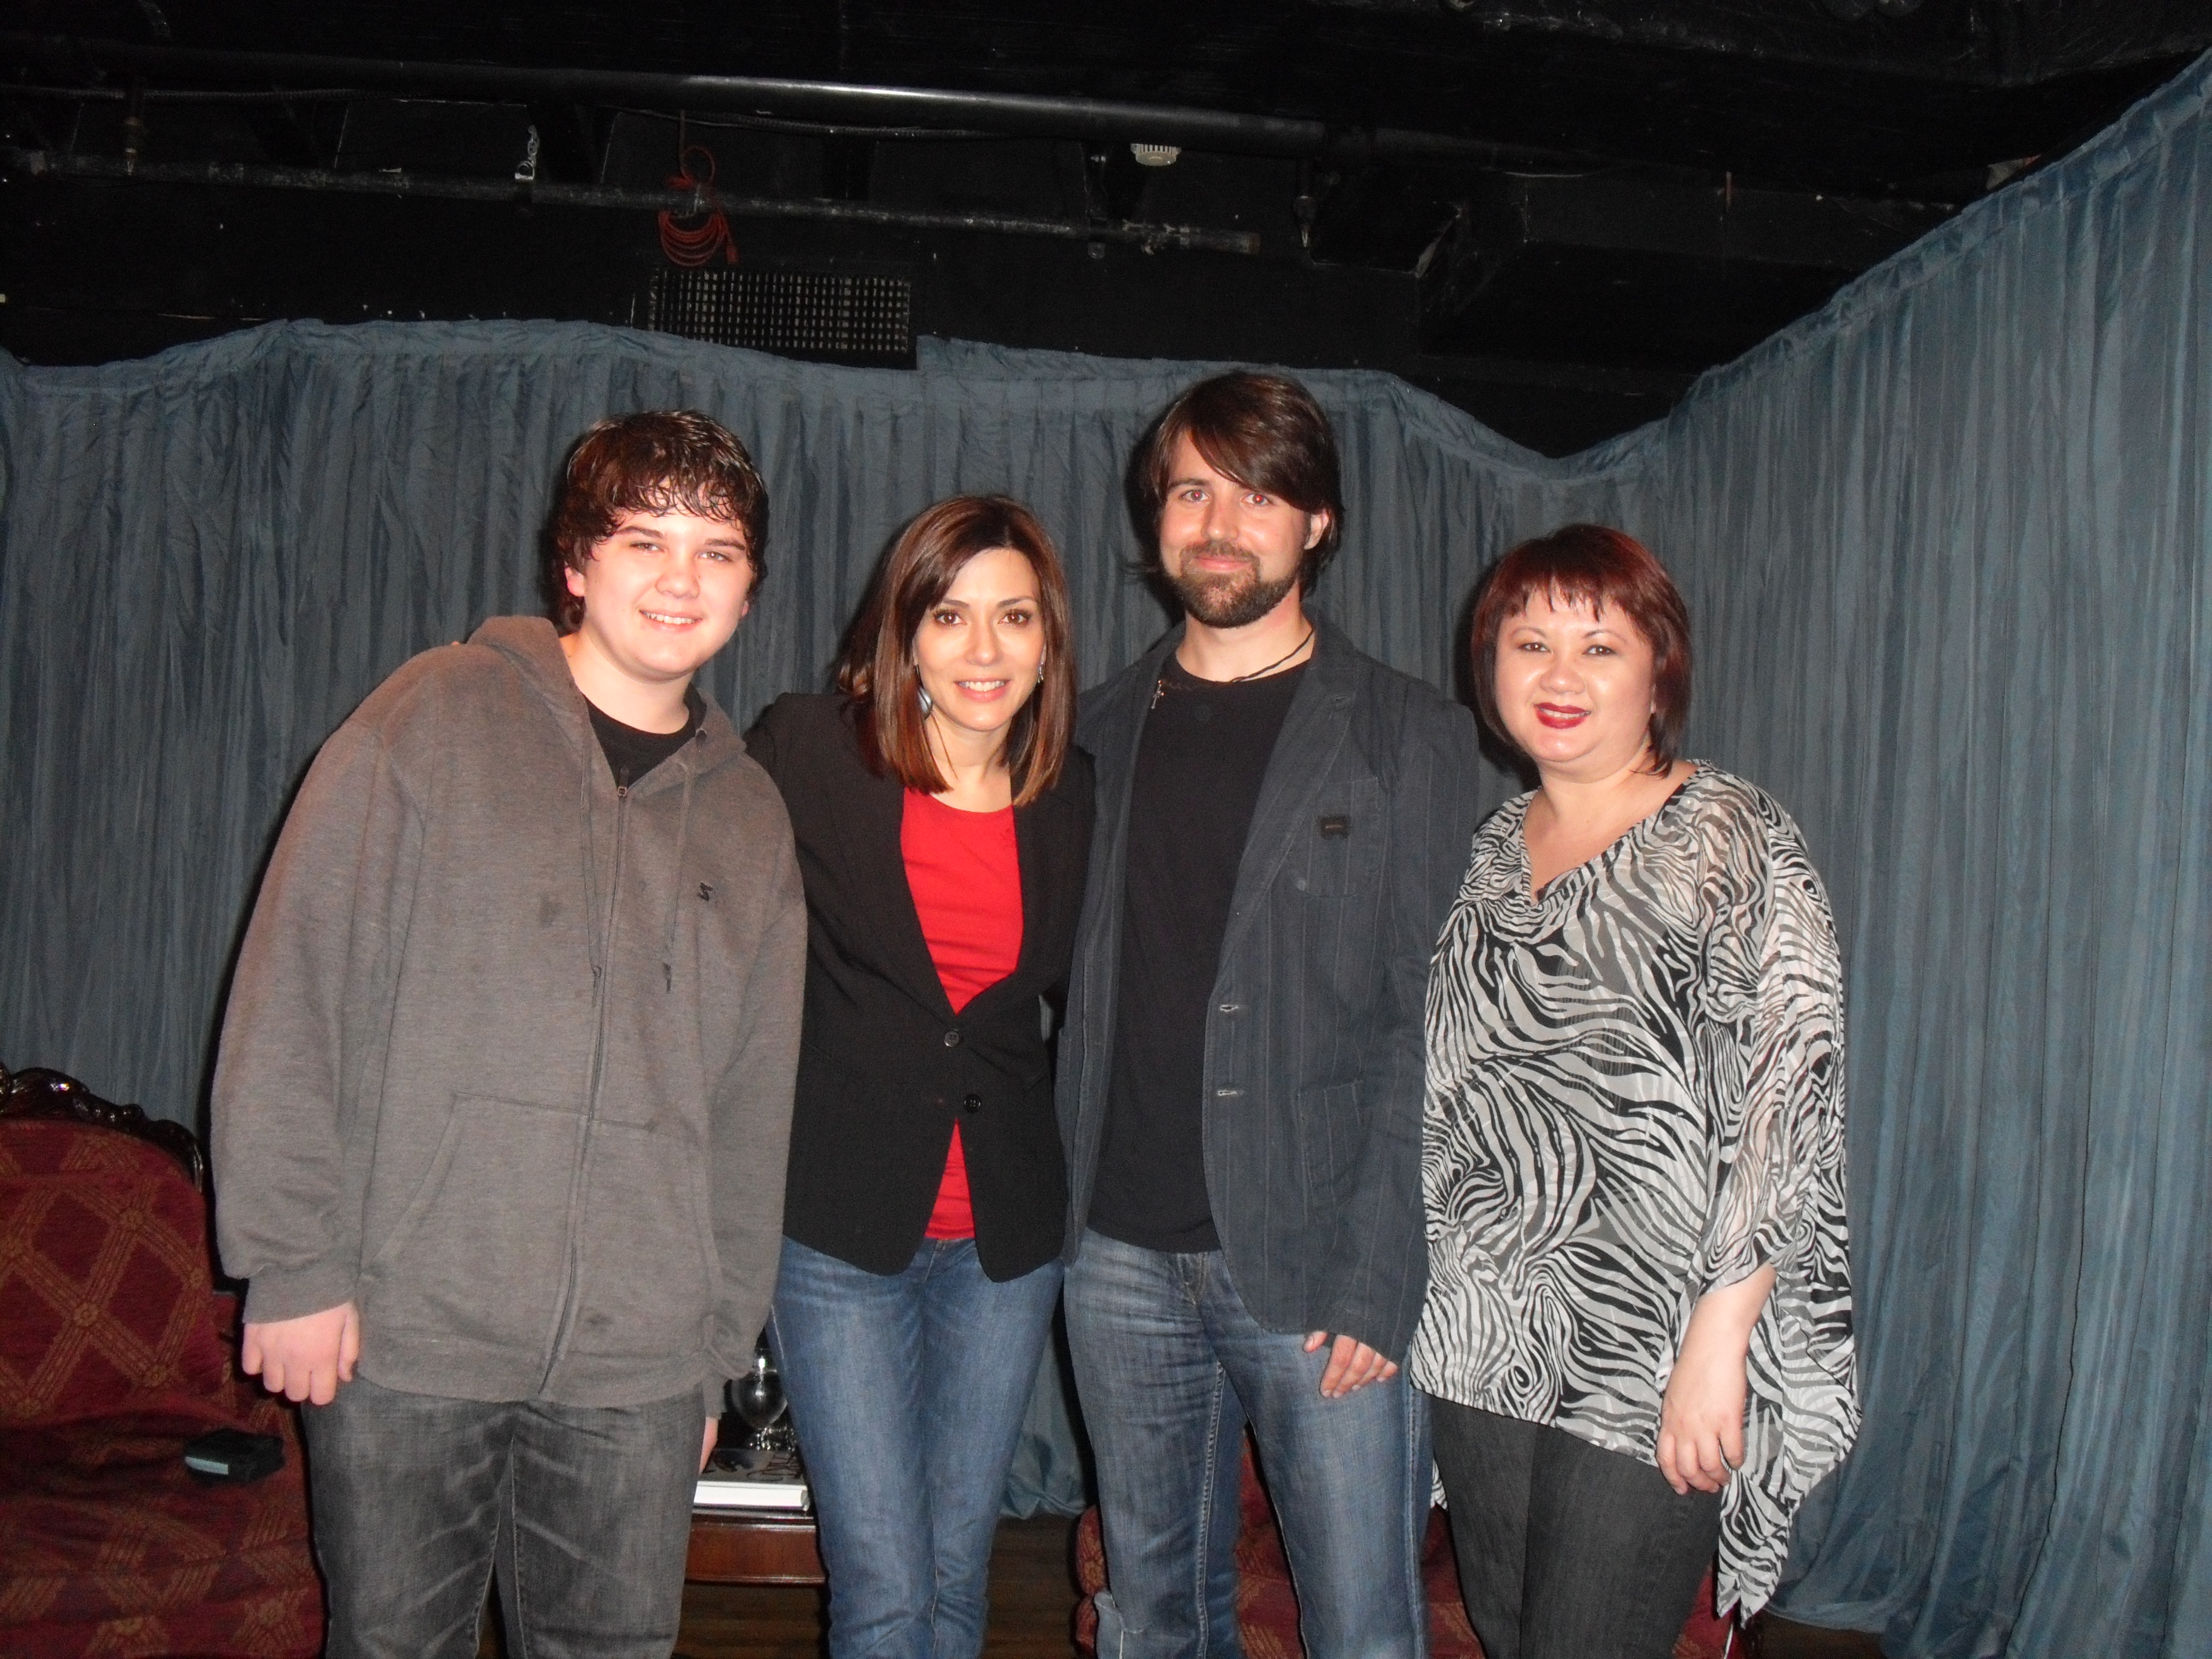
(1567, 1551)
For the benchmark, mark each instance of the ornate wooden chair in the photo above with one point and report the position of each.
(1267, 1606)
(115, 1349)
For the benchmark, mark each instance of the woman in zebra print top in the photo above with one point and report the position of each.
(1639, 1325)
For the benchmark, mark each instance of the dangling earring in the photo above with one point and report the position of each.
(1040, 671)
(922, 696)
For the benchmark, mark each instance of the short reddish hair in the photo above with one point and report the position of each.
(1602, 568)
(1266, 431)
(672, 460)
(879, 671)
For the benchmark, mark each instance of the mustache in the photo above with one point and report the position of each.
(1214, 548)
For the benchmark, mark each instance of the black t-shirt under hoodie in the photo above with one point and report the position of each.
(1199, 765)
(631, 752)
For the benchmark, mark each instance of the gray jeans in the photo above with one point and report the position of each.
(1567, 1551)
(587, 1511)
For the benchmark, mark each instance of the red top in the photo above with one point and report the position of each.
(965, 874)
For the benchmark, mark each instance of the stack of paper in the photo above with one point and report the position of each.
(779, 1483)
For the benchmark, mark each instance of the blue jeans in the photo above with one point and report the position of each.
(1169, 1366)
(907, 1390)
(587, 1508)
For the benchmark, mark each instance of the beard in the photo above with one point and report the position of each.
(1227, 600)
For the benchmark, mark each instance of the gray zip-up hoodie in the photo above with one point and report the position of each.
(510, 1052)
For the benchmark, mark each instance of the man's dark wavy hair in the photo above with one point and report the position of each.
(1266, 431)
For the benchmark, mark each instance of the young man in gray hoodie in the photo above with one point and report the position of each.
(505, 1086)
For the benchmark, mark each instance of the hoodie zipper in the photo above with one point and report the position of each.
(564, 1310)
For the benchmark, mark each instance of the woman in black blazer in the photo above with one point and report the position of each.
(942, 822)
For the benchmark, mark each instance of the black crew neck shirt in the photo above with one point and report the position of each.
(631, 753)
(1199, 765)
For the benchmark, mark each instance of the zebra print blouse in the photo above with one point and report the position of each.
(1635, 1096)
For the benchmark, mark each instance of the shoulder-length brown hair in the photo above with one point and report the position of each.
(1603, 567)
(879, 673)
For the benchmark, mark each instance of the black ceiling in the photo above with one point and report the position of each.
(1554, 212)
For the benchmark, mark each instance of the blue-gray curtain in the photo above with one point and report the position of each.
(1947, 549)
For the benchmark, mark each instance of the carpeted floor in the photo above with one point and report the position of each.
(1032, 1612)
(1032, 1605)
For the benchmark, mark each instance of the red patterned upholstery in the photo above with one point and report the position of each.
(1267, 1608)
(114, 1350)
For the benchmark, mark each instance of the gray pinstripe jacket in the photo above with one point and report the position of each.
(1314, 1072)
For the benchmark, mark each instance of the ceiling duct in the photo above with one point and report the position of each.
(2013, 43)
(906, 109)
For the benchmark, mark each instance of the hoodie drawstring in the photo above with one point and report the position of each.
(592, 940)
(676, 887)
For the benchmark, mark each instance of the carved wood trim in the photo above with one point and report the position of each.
(38, 1092)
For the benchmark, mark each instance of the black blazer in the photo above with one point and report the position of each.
(1313, 1079)
(884, 1068)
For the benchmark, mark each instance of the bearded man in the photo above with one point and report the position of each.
(1282, 824)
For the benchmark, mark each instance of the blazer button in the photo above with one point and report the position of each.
(972, 1103)
(952, 1039)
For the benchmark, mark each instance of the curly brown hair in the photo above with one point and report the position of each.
(666, 460)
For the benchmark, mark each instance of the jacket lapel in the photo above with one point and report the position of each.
(1040, 835)
(1113, 737)
(875, 864)
(1037, 837)
(1112, 725)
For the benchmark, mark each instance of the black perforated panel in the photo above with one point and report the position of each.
(836, 316)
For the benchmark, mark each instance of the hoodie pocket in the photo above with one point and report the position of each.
(478, 1255)
(643, 1291)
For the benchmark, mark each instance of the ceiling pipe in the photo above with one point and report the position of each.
(40, 163)
(1010, 115)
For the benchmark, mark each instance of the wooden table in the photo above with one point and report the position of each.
(753, 1547)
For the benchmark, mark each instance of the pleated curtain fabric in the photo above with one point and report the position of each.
(1948, 553)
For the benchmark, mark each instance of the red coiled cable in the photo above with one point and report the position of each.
(695, 245)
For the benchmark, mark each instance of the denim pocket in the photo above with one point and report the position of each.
(478, 1254)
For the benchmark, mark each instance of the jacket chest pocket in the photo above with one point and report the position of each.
(1342, 842)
